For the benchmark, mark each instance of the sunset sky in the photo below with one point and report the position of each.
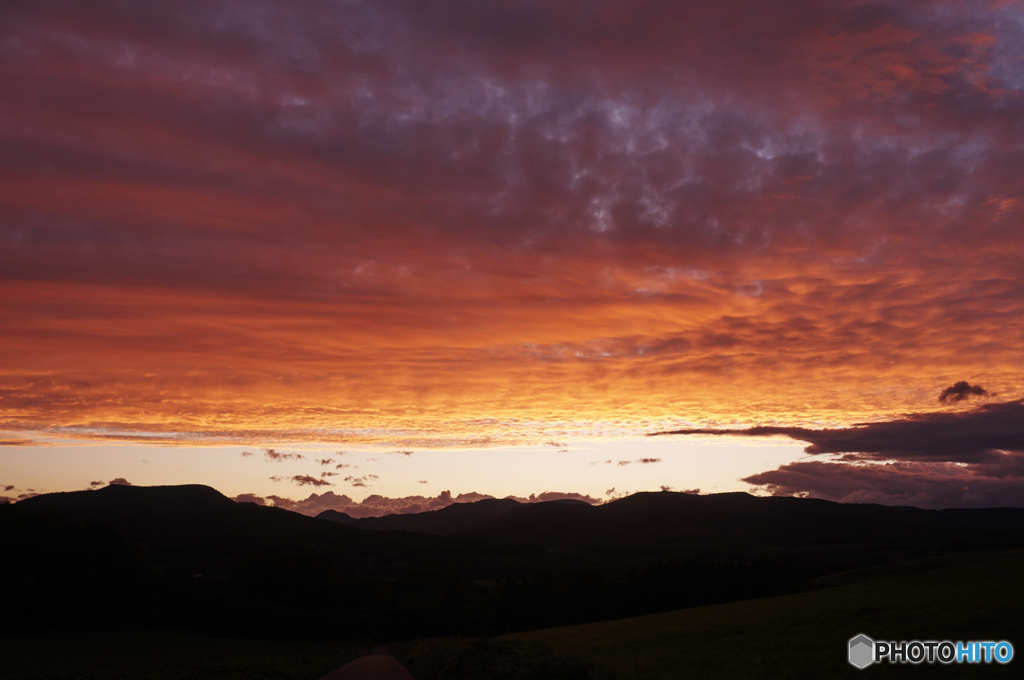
(513, 239)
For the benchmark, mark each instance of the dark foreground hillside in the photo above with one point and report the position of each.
(975, 596)
(966, 596)
(187, 558)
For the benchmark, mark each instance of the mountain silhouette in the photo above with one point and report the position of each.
(711, 521)
(188, 557)
(452, 519)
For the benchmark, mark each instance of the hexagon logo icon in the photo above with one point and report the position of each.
(861, 651)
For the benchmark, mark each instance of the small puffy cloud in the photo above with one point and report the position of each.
(119, 481)
(301, 480)
(279, 501)
(246, 453)
(555, 496)
(960, 391)
(309, 480)
(271, 454)
(8, 487)
(471, 497)
(249, 498)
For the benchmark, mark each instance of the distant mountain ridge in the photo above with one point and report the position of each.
(455, 518)
(376, 505)
(189, 557)
(648, 515)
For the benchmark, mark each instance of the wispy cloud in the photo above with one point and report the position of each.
(301, 480)
(271, 454)
(968, 458)
(350, 221)
(18, 442)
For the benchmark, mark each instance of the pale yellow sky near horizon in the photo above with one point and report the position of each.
(709, 463)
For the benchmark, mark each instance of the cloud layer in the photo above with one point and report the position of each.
(376, 505)
(438, 223)
(964, 459)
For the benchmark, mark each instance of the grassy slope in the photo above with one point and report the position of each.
(804, 635)
(794, 636)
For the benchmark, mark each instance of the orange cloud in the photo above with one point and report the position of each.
(654, 218)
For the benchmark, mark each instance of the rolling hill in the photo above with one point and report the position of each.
(190, 558)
